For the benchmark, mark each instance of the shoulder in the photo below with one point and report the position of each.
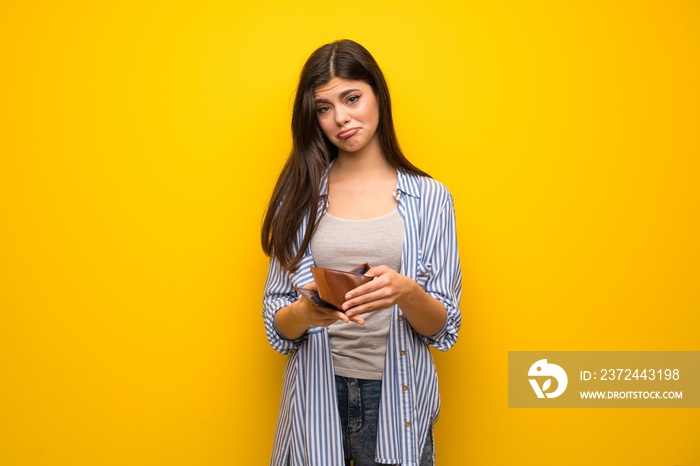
(424, 187)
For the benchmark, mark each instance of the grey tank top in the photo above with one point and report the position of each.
(359, 350)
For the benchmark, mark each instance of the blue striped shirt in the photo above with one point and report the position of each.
(308, 427)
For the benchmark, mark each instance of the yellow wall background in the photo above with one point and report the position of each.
(139, 142)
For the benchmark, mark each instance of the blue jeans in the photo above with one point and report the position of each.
(358, 405)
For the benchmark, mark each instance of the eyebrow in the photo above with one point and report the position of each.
(342, 95)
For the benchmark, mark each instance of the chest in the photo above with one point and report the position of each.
(361, 200)
(343, 244)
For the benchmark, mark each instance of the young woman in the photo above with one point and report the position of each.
(360, 384)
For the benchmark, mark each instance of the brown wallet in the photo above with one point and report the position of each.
(334, 284)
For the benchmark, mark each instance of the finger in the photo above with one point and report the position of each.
(342, 316)
(357, 320)
(365, 289)
(362, 299)
(368, 307)
(333, 313)
(377, 271)
(325, 317)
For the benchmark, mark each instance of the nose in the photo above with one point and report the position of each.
(341, 115)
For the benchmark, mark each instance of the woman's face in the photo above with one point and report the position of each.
(348, 113)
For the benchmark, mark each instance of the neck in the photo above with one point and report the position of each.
(369, 159)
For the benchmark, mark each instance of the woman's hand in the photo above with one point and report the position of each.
(387, 288)
(293, 320)
(318, 316)
(426, 314)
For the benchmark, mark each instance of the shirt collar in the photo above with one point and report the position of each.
(407, 183)
(324, 181)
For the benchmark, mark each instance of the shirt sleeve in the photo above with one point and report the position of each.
(444, 281)
(279, 292)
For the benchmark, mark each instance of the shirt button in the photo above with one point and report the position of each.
(397, 192)
(400, 317)
(405, 387)
(402, 353)
(408, 424)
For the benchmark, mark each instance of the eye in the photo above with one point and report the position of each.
(322, 110)
(353, 99)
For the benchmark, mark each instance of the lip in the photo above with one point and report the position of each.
(347, 133)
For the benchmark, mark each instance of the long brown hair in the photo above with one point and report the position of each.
(297, 190)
